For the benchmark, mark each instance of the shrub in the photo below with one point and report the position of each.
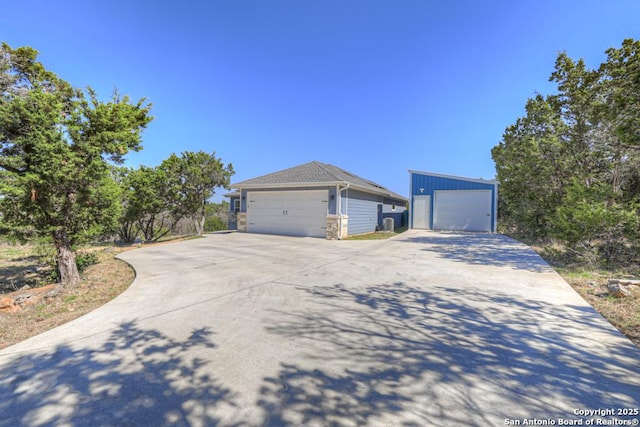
(591, 221)
(86, 259)
(214, 223)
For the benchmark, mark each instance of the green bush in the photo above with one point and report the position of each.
(86, 259)
(593, 223)
(214, 223)
(83, 260)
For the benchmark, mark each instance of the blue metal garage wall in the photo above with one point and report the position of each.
(423, 184)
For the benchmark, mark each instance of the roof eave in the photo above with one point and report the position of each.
(380, 192)
(462, 178)
(240, 185)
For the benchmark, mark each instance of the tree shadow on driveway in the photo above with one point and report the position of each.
(137, 377)
(481, 249)
(392, 354)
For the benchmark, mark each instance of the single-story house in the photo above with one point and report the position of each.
(314, 199)
(444, 202)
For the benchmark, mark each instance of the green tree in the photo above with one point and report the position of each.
(56, 144)
(621, 111)
(127, 225)
(621, 89)
(570, 167)
(191, 180)
(146, 204)
(588, 219)
(531, 168)
(217, 215)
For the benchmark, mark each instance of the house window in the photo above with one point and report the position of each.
(393, 206)
(236, 205)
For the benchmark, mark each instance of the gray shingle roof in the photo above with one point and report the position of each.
(314, 173)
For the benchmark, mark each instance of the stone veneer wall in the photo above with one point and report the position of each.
(333, 227)
(345, 226)
(242, 221)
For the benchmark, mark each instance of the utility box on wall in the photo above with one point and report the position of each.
(445, 202)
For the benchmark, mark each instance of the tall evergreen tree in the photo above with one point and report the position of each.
(569, 168)
(56, 144)
(191, 180)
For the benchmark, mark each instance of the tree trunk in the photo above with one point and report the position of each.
(128, 232)
(199, 224)
(198, 221)
(65, 259)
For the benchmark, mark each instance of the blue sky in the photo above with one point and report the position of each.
(375, 87)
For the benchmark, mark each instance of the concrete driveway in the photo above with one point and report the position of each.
(427, 329)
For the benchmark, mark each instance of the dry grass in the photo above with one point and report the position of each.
(22, 265)
(101, 283)
(378, 235)
(590, 280)
(623, 313)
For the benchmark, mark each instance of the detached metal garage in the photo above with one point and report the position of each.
(444, 202)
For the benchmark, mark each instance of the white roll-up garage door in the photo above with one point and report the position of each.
(291, 213)
(468, 210)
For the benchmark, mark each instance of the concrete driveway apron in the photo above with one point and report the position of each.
(426, 329)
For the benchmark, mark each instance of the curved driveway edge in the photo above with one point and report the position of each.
(425, 329)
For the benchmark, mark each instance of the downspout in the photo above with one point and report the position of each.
(339, 209)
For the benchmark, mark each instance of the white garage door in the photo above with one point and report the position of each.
(468, 210)
(421, 212)
(292, 213)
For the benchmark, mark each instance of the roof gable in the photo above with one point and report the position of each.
(314, 173)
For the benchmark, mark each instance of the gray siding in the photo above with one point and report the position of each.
(363, 212)
(400, 205)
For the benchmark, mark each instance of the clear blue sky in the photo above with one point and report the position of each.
(375, 87)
